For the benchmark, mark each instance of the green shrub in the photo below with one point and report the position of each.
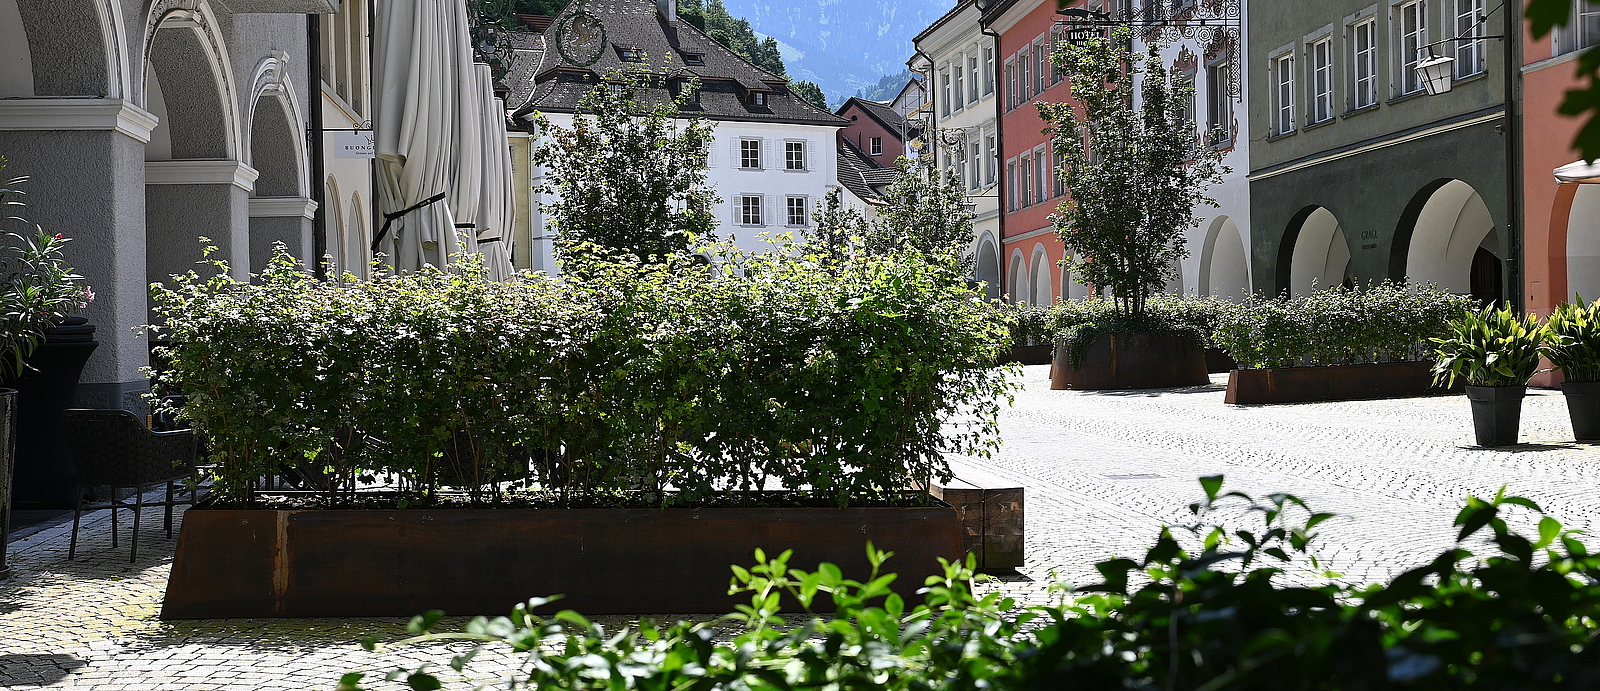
(1572, 340)
(1383, 322)
(1206, 607)
(1491, 347)
(37, 288)
(623, 383)
(1029, 324)
(1078, 322)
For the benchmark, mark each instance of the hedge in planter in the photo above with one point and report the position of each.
(1078, 324)
(840, 381)
(1335, 344)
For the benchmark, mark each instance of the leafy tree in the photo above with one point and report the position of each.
(1136, 174)
(927, 211)
(767, 56)
(838, 229)
(1545, 15)
(811, 93)
(630, 176)
(735, 33)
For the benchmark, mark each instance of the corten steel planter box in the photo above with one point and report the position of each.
(1133, 360)
(1028, 355)
(1332, 383)
(362, 563)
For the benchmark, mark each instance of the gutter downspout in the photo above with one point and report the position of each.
(319, 220)
(1515, 290)
(1000, 96)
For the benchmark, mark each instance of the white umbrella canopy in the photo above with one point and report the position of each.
(1584, 172)
(420, 48)
(495, 199)
(466, 191)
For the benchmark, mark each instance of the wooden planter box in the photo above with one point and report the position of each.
(1028, 355)
(1136, 360)
(358, 563)
(1332, 383)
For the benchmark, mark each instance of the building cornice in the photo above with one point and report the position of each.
(82, 114)
(282, 207)
(1382, 142)
(200, 172)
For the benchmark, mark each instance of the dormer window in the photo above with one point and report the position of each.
(758, 98)
(696, 59)
(685, 90)
(630, 54)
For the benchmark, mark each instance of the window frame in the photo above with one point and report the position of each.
(875, 146)
(1471, 56)
(944, 91)
(747, 151)
(1011, 83)
(1406, 59)
(1364, 95)
(959, 69)
(1576, 35)
(1219, 102)
(1283, 94)
(745, 210)
(973, 77)
(1025, 178)
(988, 71)
(991, 160)
(788, 156)
(1319, 55)
(805, 210)
(1013, 193)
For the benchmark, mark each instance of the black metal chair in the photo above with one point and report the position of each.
(113, 449)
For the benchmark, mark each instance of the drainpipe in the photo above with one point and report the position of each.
(1513, 141)
(319, 221)
(1000, 97)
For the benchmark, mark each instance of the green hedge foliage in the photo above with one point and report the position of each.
(843, 381)
(1076, 322)
(1384, 322)
(1236, 605)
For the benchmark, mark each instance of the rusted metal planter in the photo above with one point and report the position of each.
(359, 563)
(1331, 383)
(1028, 355)
(1132, 360)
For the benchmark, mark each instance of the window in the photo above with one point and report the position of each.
(1041, 63)
(1469, 54)
(974, 166)
(750, 154)
(1185, 84)
(758, 98)
(630, 54)
(1581, 32)
(972, 77)
(696, 59)
(1012, 97)
(1011, 184)
(685, 90)
(1413, 26)
(1025, 76)
(1219, 98)
(958, 164)
(1322, 80)
(944, 89)
(1283, 95)
(750, 210)
(988, 71)
(1025, 169)
(1041, 175)
(992, 156)
(794, 155)
(875, 146)
(797, 211)
(959, 100)
(1364, 64)
(1056, 164)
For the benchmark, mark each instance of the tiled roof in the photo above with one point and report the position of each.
(884, 114)
(862, 175)
(725, 77)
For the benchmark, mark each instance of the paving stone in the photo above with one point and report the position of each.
(1103, 472)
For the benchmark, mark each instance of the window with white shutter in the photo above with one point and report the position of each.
(750, 210)
(796, 211)
(750, 154)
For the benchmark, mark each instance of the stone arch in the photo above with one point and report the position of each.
(1583, 244)
(51, 48)
(275, 112)
(988, 266)
(1224, 264)
(1017, 285)
(1315, 253)
(358, 237)
(1039, 277)
(186, 58)
(1448, 237)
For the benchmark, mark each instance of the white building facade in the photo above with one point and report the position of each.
(958, 63)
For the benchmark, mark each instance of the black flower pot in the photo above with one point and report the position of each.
(1583, 404)
(1496, 413)
(44, 477)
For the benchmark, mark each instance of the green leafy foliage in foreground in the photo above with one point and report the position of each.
(1208, 607)
(1382, 322)
(1572, 340)
(844, 379)
(1491, 347)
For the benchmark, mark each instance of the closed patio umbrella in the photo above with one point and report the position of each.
(495, 199)
(420, 47)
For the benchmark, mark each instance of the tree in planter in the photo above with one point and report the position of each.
(1135, 173)
(629, 175)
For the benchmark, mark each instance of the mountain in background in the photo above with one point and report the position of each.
(844, 47)
(887, 88)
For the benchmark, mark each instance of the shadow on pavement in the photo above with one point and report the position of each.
(36, 670)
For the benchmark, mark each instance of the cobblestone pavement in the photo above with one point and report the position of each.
(1102, 470)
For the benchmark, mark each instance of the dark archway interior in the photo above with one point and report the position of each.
(1488, 281)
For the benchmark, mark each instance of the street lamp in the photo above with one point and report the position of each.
(1437, 73)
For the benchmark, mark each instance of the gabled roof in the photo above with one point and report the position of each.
(726, 78)
(862, 175)
(881, 112)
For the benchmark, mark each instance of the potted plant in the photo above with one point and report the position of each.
(1496, 353)
(1136, 174)
(1572, 343)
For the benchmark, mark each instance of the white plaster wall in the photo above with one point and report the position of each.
(1321, 254)
(949, 46)
(1449, 230)
(16, 64)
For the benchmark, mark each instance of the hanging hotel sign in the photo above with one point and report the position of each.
(358, 144)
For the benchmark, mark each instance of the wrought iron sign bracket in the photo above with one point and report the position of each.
(1208, 22)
